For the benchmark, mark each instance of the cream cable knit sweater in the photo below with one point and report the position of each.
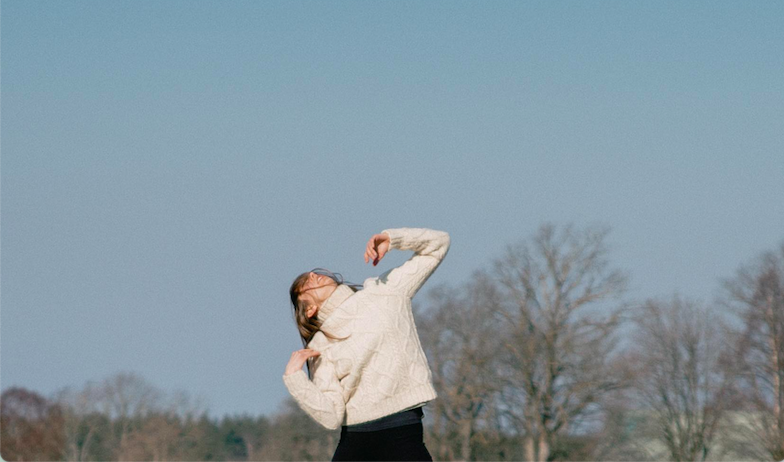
(381, 368)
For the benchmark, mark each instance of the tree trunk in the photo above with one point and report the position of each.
(544, 448)
(465, 444)
(530, 451)
(778, 386)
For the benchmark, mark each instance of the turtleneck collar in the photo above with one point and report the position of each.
(341, 293)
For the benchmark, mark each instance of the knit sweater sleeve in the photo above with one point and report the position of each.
(322, 398)
(429, 246)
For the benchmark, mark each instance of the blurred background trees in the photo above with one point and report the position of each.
(680, 378)
(557, 359)
(537, 357)
(32, 426)
(756, 295)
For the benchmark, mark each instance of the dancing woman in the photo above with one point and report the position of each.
(367, 372)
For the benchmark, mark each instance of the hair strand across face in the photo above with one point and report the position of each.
(309, 326)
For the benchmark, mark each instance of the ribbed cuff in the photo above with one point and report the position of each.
(395, 238)
(296, 381)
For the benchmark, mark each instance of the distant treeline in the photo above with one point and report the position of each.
(539, 356)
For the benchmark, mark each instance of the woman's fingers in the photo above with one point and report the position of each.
(368, 248)
(298, 359)
(305, 351)
(376, 248)
(370, 251)
(304, 354)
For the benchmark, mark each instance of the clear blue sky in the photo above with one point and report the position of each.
(169, 167)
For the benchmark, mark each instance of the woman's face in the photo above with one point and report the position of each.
(316, 289)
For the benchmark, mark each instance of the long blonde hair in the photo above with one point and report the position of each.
(309, 326)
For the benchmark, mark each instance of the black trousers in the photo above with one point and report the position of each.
(405, 442)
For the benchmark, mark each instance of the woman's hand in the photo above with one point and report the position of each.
(298, 359)
(377, 247)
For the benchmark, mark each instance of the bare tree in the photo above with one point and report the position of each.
(757, 295)
(189, 409)
(155, 439)
(293, 435)
(680, 377)
(460, 337)
(619, 437)
(31, 427)
(557, 349)
(80, 429)
(110, 417)
(126, 397)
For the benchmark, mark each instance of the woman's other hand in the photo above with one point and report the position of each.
(376, 248)
(298, 359)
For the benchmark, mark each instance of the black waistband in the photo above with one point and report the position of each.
(397, 419)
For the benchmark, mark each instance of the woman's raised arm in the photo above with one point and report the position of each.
(430, 247)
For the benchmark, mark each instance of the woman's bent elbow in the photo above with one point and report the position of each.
(332, 424)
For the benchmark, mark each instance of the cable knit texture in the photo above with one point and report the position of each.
(380, 368)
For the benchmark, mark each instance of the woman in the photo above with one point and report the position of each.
(367, 372)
